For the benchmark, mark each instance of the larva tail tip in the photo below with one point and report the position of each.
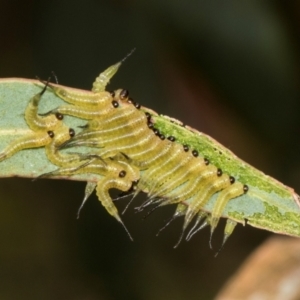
(126, 207)
(151, 211)
(167, 224)
(129, 54)
(210, 240)
(180, 239)
(127, 231)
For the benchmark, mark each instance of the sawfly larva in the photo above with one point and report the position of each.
(132, 146)
(114, 174)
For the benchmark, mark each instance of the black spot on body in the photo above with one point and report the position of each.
(51, 134)
(171, 138)
(156, 131)
(115, 103)
(195, 153)
(59, 116)
(71, 132)
(186, 148)
(219, 172)
(124, 94)
(122, 174)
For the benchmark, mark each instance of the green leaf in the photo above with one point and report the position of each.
(268, 205)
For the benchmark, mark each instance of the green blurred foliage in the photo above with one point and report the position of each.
(229, 69)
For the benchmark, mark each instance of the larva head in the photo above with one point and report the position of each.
(121, 94)
(122, 170)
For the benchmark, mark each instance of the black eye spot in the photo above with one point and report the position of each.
(150, 125)
(171, 138)
(246, 188)
(156, 131)
(219, 172)
(115, 103)
(122, 174)
(137, 105)
(162, 137)
(195, 153)
(59, 116)
(124, 94)
(71, 132)
(232, 179)
(51, 134)
(206, 161)
(148, 116)
(186, 148)
(112, 94)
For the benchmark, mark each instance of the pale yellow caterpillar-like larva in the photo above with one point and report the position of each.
(114, 174)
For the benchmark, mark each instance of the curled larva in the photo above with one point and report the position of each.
(113, 174)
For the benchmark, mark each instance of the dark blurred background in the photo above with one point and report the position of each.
(228, 69)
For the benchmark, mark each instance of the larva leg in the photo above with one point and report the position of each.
(37, 122)
(35, 140)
